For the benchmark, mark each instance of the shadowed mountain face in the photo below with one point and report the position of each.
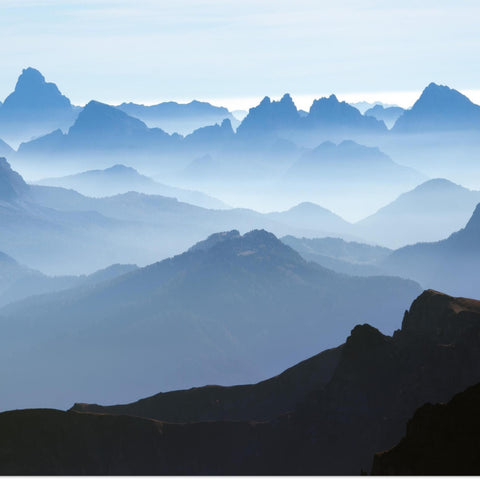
(429, 212)
(12, 185)
(441, 439)
(439, 108)
(34, 108)
(451, 264)
(121, 179)
(358, 402)
(220, 313)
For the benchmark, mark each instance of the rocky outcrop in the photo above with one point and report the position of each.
(441, 439)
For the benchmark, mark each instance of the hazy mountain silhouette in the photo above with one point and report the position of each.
(221, 315)
(429, 212)
(182, 118)
(348, 163)
(451, 264)
(18, 281)
(121, 179)
(308, 215)
(352, 402)
(104, 130)
(35, 107)
(441, 439)
(270, 118)
(388, 115)
(330, 114)
(439, 108)
(352, 258)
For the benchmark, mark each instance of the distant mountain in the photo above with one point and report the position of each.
(334, 116)
(388, 115)
(352, 258)
(270, 118)
(439, 108)
(121, 179)
(182, 118)
(34, 108)
(308, 215)
(429, 212)
(217, 314)
(451, 264)
(337, 409)
(18, 281)
(441, 439)
(348, 163)
(104, 130)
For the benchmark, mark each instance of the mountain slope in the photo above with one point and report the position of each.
(451, 264)
(429, 212)
(122, 179)
(439, 108)
(216, 314)
(377, 383)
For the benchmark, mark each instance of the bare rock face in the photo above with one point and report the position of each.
(441, 439)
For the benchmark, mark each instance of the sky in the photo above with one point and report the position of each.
(234, 52)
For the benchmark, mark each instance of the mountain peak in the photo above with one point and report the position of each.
(33, 92)
(441, 108)
(97, 117)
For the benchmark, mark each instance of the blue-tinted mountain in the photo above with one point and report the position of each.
(18, 281)
(35, 107)
(104, 130)
(438, 109)
(308, 215)
(211, 138)
(429, 212)
(349, 162)
(328, 114)
(452, 264)
(121, 179)
(12, 185)
(352, 258)
(270, 118)
(325, 416)
(182, 118)
(388, 115)
(221, 313)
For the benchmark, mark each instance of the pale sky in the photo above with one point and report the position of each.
(234, 52)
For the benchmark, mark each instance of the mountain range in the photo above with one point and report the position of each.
(429, 212)
(221, 312)
(181, 118)
(337, 409)
(122, 179)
